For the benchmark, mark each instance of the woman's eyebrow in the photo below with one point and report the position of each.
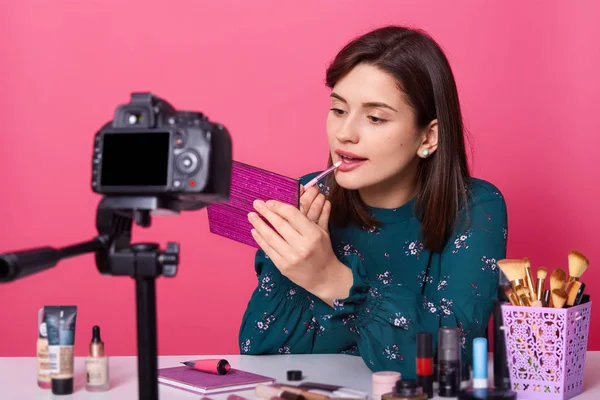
(369, 104)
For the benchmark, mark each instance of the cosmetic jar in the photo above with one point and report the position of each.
(406, 390)
(384, 382)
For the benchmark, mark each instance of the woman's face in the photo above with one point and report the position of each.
(372, 130)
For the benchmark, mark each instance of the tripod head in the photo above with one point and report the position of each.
(149, 160)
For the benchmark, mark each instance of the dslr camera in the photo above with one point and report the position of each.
(152, 149)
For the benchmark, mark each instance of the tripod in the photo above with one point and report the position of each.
(115, 255)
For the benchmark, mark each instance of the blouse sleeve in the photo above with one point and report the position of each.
(280, 319)
(459, 292)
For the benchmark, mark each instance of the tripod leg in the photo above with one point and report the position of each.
(145, 289)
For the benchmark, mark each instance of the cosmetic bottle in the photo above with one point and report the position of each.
(43, 358)
(425, 362)
(406, 389)
(480, 390)
(96, 365)
(449, 365)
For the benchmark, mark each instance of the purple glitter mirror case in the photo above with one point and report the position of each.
(248, 183)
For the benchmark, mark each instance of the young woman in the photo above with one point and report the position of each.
(400, 239)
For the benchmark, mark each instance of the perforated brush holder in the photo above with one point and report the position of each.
(546, 349)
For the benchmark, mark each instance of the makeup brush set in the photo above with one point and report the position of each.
(564, 291)
(546, 328)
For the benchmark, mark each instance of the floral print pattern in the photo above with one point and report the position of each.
(385, 278)
(267, 284)
(422, 278)
(443, 283)
(392, 352)
(246, 346)
(413, 248)
(265, 322)
(346, 249)
(489, 264)
(285, 350)
(400, 320)
(461, 241)
(443, 309)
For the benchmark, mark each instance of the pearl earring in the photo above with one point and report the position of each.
(425, 153)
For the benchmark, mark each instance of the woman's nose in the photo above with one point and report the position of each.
(347, 132)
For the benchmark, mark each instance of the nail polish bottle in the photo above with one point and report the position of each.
(96, 365)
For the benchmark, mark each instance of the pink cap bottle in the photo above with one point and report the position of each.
(384, 382)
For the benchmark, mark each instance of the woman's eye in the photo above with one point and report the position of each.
(376, 120)
(337, 111)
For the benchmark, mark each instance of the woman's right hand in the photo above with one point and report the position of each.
(312, 204)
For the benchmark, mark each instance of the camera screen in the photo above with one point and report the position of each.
(135, 159)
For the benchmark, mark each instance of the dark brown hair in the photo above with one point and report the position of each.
(424, 76)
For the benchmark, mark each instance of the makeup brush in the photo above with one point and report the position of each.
(529, 279)
(572, 290)
(514, 300)
(520, 290)
(541, 280)
(557, 279)
(546, 299)
(580, 295)
(514, 271)
(578, 263)
(559, 297)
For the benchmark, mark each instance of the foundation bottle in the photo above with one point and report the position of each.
(96, 365)
(43, 357)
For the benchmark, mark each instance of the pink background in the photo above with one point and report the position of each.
(528, 80)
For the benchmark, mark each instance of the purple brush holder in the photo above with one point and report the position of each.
(248, 183)
(546, 349)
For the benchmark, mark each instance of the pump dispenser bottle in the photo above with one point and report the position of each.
(96, 365)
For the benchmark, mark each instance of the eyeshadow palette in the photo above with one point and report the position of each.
(249, 183)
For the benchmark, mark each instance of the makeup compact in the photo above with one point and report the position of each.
(248, 183)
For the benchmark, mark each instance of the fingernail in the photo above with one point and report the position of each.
(251, 216)
(258, 204)
(270, 203)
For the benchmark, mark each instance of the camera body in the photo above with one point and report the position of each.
(152, 149)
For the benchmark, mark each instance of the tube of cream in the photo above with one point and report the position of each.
(60, 322)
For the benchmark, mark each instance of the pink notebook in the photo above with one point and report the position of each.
(195, 381)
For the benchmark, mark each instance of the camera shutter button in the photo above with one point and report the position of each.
(188, 162)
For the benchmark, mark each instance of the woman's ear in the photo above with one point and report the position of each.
(429, 142)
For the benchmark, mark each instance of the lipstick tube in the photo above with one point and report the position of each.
(211, 366)
(425, 363)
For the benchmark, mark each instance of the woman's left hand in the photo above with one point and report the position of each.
(300, 248)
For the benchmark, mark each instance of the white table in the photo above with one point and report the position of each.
(18, 375)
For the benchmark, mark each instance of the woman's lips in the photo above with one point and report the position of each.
(349, 164)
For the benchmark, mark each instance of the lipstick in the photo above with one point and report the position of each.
(448, 362)
(211, 366)
(425, 362)
(322, 175)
